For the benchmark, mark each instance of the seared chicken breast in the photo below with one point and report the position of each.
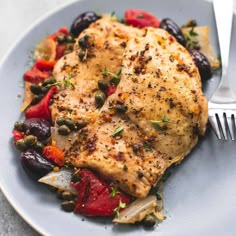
(152, 120)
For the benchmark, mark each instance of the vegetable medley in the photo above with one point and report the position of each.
(40, 140)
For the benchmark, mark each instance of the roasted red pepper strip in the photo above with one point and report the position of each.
(60, 49)
(54, 154)
(35, 75)
(141, 19)
(17, 135)
(44, 65)
(94, 196)
(41, 109)
(62, 30)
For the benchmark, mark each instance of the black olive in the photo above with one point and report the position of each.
(35, 164)
(82, 22)
(172, 28)
(202, 64)
(38, 127)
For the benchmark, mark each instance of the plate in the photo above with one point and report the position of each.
(200, 195)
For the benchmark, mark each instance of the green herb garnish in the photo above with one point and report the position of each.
(192, 32)
(114, 192)
(121, 205)
(68, 83)
(156, 123)
(115, 77)
(117, 130)
(113, 13)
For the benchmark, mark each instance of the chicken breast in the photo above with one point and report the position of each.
(105, 41)
(163, 113)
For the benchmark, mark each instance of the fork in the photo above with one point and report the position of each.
(222, 105)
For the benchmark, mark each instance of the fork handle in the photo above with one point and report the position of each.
(224, 19)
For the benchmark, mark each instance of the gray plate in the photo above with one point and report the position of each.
(200, 195)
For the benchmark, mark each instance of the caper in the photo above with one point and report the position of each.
(70, 39)
(68, 206)
(45, 90)
(64, 130)
(19, 126)
(149, 221)
(35, 89)
(67, 196)
(76, 177)
(100, 98)
(70, 123)
(48, 81)
(59, 193)
(30, 140)
(20, 145)
(121, 108)
(81, 124)
(36, 99)
(82, 55)
(61, 121)
(102, 85)
(83, 42)
(61, 38)
(39, 146)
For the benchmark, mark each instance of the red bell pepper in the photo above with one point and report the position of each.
(141, 19)
(17, 135)
(94, 196)
(44, 65)
(35, 75)
(41, 109)
(62, 30)
(60, 49)
(54, 154)
(111, 89)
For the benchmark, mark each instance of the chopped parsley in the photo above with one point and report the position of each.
(121, 205)
(118, 130)
(192, 32)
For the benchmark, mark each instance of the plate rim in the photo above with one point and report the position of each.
(12, 47)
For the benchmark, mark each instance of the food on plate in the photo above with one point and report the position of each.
(109, 107)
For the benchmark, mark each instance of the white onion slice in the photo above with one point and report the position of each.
(60, 179)
(63, 142)
(137, 210)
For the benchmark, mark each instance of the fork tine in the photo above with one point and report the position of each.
(214, 126)
(230, 124)
(222, 125)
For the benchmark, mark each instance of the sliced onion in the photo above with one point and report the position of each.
(45, 49)
(63, 142)
(137, 210)
(60, 179)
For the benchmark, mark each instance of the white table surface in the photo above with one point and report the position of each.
(15, 17)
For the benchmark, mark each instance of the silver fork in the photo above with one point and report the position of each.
(222, 105)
